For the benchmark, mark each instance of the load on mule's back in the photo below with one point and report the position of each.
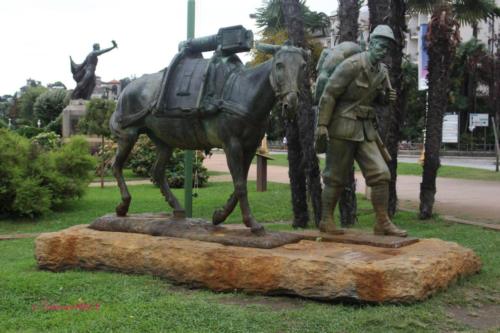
(200, 104)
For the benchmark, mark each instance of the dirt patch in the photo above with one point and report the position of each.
(274, 303)
(486, 317)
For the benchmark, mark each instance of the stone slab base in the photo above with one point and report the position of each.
(312, 269)
(360, 237)
(160, 224)
(194, 229)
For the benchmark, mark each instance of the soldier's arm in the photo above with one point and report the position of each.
(336, 86)
(386, 93)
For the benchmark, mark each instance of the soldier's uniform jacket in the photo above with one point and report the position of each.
(354, 79)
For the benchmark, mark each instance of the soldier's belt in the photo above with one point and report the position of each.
(364, 112)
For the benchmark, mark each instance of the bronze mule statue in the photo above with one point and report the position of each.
(238, 130)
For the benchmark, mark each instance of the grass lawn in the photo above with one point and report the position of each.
(129, 175)
(414, 169)
(133, 303)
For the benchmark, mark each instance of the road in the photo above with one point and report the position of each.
(467, 199)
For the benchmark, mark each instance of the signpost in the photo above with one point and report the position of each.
(450, 128)
(188, 156)
(478, 120)
(497, 147)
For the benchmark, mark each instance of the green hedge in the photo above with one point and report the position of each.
(143, 158)
(35, 179)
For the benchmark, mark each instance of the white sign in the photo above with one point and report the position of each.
(478, 120)
(450, 128)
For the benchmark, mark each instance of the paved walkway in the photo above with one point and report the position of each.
(456, 198)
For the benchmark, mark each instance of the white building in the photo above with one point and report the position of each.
(486, 30)
(108, 90)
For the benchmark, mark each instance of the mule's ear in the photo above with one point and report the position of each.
(267, 48)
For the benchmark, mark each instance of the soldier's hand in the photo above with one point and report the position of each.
(321, 137)
(392, 95)
(321, 130)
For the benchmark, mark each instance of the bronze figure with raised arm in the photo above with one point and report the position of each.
(84, 73)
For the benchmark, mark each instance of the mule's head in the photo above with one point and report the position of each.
(289, 69)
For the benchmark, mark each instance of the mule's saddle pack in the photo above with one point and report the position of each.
(193, 86)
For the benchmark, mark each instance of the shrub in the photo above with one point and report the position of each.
(47, 140)
(143, 158)
(32, 198)
(28, 131)
(55, 125)
(106, 153)
(34, 179)
(49, 105)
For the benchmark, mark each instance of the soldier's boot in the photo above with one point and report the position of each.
(329, 198)
(380, 202)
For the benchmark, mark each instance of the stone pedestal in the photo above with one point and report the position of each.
(318, 269)
(71, 114)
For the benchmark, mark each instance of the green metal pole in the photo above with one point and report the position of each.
(188, 155)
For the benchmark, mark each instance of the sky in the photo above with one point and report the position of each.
(38, 36)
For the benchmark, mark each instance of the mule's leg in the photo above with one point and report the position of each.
(163, 154)
(236, 159)
(221, 214)
(125, 144)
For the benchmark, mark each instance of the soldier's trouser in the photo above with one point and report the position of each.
(340, 156)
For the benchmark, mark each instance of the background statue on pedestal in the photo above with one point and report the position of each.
(84, 73)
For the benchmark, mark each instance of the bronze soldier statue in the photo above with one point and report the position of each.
(84, 73)
(346, 124)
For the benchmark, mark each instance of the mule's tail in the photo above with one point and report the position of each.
(118, 121)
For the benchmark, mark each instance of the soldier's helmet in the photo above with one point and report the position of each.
(383, 31)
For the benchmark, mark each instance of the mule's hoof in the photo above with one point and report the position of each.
(258, 230)
(180, 214)
(121, 210)
(218, 217)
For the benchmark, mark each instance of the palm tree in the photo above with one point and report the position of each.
(292, 19)
(271, 17)
(442, 39)
(348, 14)
(303, 163)
(390, 119)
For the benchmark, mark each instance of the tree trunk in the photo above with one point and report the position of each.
(475, 29)
(303, 163)
(390, 118)
(348, 22)
(379, 12)
(102, 161)
(441, 41)
(397, 109)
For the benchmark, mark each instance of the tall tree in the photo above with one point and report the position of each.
(27, 101)
(303, 163)
(49, 105)
(348, 14)
(390, 118)
(96, 122)
(442, 39)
